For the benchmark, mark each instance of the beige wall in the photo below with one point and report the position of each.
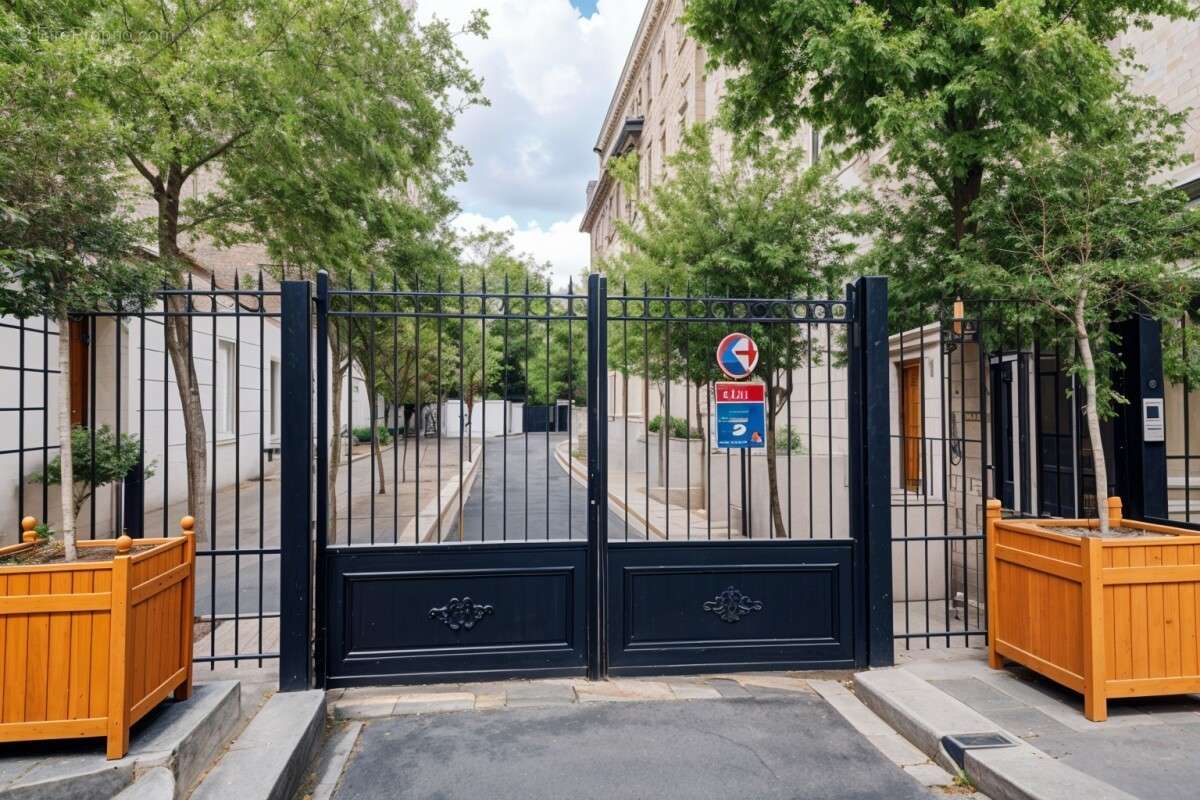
(1170, 53)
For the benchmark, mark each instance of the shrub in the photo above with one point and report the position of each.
(100, 456)
(788, 440)
(363, 435)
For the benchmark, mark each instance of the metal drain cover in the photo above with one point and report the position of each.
(957, 744)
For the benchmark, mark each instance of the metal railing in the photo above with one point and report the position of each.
(124, 393)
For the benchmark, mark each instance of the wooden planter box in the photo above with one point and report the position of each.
(1107, 617)
(88, 648)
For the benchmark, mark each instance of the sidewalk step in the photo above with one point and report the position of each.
(268, 759)
(178, 738)
(157, 784)
(925, 714)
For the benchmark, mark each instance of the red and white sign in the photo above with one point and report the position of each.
(737, 355)
(729, 392)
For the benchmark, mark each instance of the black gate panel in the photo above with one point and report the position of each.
(455, 611)
(723, 606)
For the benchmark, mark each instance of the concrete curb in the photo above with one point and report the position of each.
(270, 757)
(924, 714)
(179, 739)
(157, 784)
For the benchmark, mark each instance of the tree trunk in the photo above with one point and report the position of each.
(701, 386)
(335, 445)
(1091, 412)
(376, 450)
(774, 396)
(195, 443)
(67, 468)
(177, 341)
(965, 192)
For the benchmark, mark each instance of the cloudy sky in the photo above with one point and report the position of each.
(549, 68)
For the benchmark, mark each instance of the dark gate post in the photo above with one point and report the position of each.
(870, 472)
(323, 377)
(296, 483)
(1141, 466)
(597, 455)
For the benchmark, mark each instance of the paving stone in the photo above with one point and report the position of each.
(623, 690)
(898, 750)
(930, 774)
(693, 691)
(862, 718)
(780, 682)
(431, 703)
(1027, 722)
(977, 694)
(364, 708)
(540, 693)
(487, 702)
(728, 687)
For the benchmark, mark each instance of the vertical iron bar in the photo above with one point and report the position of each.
(323, 378)
(296, 461)
(597, 476)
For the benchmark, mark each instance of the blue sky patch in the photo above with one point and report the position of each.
(586, 7)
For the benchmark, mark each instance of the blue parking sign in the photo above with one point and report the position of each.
(741, 425)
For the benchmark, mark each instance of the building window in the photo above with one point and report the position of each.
(275, 395)
(662, 60)
(226, 378)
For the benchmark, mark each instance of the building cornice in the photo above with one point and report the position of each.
(594, 202)
(651, 17)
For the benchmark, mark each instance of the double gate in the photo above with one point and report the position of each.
(628, 543)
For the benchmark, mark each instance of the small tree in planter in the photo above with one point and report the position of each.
(100, 458)
(64, 239)
(1081, 233)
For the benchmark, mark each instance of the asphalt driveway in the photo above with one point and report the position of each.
(784, 745)
(521, 491)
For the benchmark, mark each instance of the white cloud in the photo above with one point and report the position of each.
(560, 243)
(550, 74)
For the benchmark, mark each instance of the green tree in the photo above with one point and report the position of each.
(1082, 236)
(319, 127)
(65, 243)
(102, 456)
(760, 224)
(948, 87)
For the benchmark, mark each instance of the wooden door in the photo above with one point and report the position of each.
(912, 424)
(80, 365)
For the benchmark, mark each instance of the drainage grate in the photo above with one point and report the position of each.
(956, 744)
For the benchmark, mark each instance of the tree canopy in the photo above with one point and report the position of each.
(757, 222)
(945, 88)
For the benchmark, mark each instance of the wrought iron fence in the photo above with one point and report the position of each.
(123, 393)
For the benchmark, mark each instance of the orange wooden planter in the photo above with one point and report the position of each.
(1107, 617)
(88, 648)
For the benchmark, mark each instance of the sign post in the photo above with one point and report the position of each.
(741, 415)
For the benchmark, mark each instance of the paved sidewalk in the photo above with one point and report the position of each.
(749, 735)
(1148, 747)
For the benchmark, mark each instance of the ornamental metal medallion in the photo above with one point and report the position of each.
(460, 614)
(731, 605)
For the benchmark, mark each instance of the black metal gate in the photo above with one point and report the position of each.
(490, 550)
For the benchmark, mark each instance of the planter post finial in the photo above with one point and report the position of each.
(1114, 512)
(28, 534)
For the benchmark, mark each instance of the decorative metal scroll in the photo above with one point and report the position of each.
(731, 605)
(460, 614)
